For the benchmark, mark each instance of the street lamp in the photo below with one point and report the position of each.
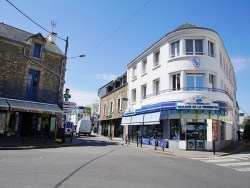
(82, 55)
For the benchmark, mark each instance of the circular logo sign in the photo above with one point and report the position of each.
(196, 62)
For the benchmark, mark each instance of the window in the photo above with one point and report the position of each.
(195, 82)
(104, 108)
(176, 82)
(144, 66)
(134, 73)
(210, 49)
(156, 86)
(175, 49)
(211, 81)
(37, 50)
(194, 47)
(156, 58)
(111, 106)
(220, 59)
(133, 96)
(32, 84)
(119, 106)
(143, 91)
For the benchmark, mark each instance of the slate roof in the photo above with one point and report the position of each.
(20, 36)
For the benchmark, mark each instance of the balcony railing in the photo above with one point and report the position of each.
(189, 89)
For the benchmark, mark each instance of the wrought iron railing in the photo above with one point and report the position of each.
(189, 89)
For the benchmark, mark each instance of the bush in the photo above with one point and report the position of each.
(247, 133)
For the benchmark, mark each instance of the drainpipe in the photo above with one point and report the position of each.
(60, 77)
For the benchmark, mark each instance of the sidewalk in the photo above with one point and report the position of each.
(18, 143)
(231, 149)
(35, 143)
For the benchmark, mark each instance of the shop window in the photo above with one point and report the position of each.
(222, 130)
(174, 129)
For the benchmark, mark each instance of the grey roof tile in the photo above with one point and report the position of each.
(21, 36)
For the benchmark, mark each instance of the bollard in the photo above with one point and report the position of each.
(141, 141)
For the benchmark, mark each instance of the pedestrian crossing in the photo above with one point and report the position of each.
(239, 162)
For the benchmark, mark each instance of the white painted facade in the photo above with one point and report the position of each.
(212, 79)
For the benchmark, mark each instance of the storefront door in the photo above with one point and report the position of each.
(195, 135)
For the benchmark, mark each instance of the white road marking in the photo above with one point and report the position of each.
(219, 160)
(235, 164)
(242, 169)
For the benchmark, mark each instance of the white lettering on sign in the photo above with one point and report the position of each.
(212, 106)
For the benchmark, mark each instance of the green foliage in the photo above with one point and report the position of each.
(247, 133)
(87, 111)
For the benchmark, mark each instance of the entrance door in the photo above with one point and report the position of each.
(196, 135)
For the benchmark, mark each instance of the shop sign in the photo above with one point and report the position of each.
(198, 102)
(213, 106)
(129, 111)
(25, 110)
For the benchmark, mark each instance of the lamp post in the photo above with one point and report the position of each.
(82, 56)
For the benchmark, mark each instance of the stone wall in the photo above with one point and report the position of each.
(14, 68)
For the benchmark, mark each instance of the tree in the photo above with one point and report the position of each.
(246, 124)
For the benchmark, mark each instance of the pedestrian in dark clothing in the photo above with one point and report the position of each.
(238, 133)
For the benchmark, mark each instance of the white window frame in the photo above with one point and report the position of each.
(134, 72)
(211, 46)
(175, 81)
(194, 52)
(119, 104)
(144, 67)
(212, 81)
(105, 108)
(111, 106)
(175, 49)
(156, 86)
(133, 96)
(143, 91)
(195, 75)
(157, 58)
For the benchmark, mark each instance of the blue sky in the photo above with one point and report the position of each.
(111, 33)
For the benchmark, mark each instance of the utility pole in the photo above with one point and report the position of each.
(66, 47)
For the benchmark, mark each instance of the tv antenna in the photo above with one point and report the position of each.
(53, 25)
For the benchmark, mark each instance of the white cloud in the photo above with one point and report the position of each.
(106, 77)
(240, 63)
(83, 98)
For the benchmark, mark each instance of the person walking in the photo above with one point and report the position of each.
(238, 133)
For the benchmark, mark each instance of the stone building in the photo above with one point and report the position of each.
(32, 70)
(113, 102)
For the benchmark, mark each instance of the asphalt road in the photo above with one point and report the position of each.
(103, 164)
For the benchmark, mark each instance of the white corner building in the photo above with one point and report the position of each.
(183, 89)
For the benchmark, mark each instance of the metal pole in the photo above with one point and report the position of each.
(214, 146)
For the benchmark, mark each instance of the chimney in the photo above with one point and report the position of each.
(52, 37)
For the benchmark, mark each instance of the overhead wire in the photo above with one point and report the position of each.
(31, 19)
